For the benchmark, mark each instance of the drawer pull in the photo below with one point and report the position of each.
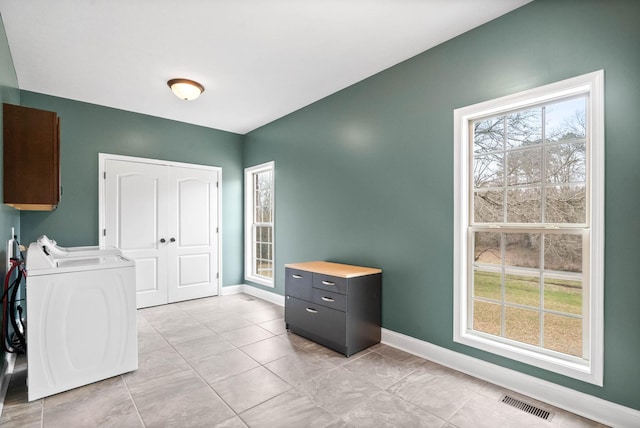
(313, 311)
(327, 299)
(296, 276)
(328, 283)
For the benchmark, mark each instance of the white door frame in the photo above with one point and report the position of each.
(102, 160)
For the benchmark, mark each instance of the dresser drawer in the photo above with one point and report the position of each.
(297, 283)
(330, 283)
(330, 299)
(316, 319)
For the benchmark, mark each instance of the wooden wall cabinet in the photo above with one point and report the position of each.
(31, 164)
(336, 305)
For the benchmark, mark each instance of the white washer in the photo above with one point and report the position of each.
(81, 317)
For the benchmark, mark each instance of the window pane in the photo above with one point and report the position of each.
(257, 208)
(565, 120)
(486, 317)
(265, 251)
(523, 289)
(523, 205)
(265, 269)
(562, 294)
(263, 234)
(565, 204)
(563, 334)
(487, 284)
(562, 275)
(522, 325)
(488, 171)
(524, 128)
(487, 248)
(563, 252)
(488, 206)
(566, 163)
(523, 167)
(522, 249)
(488, 135)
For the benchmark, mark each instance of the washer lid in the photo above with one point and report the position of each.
(78, 264)
(58, 252)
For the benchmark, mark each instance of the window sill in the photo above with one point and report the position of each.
(575, 368)
(260, 281)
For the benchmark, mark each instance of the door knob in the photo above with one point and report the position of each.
(163, 240)
(172, 239)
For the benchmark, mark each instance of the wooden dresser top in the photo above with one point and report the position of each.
(334, 269)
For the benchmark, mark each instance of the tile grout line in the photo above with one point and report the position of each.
(135, 406)
(42, 413)
(234, 347)
(292, 387)
(193, 369)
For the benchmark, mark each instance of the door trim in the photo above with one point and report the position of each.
(102, 161)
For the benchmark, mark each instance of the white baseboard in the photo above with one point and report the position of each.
(582, 404)
(577, 402)
(276, 299)
(7, 370)
(232, 289)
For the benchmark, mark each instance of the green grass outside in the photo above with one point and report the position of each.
(561, 333)
(559, 295)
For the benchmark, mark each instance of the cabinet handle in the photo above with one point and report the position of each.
(172, 239)
(327, 299)
(296, 276)
(313, 311)
(163, 240)
(328, 283)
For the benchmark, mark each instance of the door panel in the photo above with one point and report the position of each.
(193, 265)
(194, 209)
(194, 269)
(146, 275)
(136, 221)
(138, 203)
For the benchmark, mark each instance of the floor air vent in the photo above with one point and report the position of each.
(525, 407)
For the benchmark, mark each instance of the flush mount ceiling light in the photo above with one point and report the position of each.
(185, 88)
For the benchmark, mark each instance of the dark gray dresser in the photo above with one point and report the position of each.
(336, 305)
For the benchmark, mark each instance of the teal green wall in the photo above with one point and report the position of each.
(365, 176)
(10, 94)
(88, 129)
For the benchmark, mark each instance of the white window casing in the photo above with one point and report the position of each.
(589, 366)
(259, 268)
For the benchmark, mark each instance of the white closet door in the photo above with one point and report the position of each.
(136, 209)
(193, 244)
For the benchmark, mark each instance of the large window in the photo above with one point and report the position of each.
(259, 219)
(529, 209)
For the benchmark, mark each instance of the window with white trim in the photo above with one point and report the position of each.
(529, 226)
(259, 219)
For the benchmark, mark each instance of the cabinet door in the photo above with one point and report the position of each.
(136, 208)
(31, 163)
(193, 242)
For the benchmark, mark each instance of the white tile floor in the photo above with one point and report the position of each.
(229, 362)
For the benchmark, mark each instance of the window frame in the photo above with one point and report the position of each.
(590, 368)
(250, 225)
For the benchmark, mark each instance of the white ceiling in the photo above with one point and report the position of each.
(258, 59)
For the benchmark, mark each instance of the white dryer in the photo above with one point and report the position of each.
(81, 317)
